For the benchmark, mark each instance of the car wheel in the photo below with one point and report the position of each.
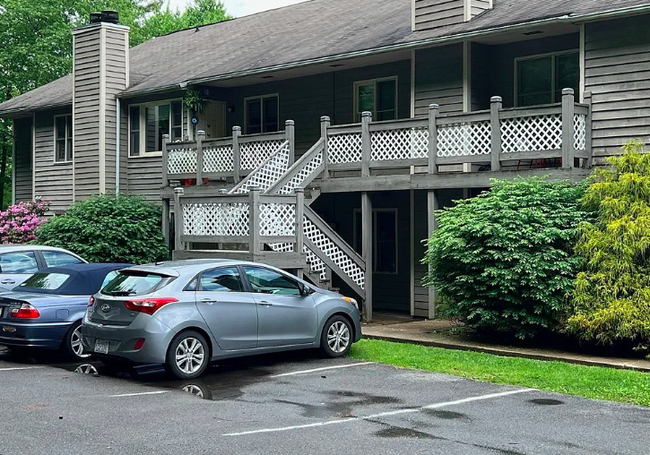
(188, 355)
(336, 339)
(72, 344)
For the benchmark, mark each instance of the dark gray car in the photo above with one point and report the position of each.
(184, 314)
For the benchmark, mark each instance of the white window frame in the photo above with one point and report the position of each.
(355, 94)
(143, 124)
(553, 55)
(261, 98)
(355, 246)
(69, 154)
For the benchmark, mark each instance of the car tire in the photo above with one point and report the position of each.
(72, 345)
(188, 355)
(336, 338)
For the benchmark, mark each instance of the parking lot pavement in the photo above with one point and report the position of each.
(297, 403)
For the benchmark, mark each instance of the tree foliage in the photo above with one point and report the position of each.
(611, 302)
(108, 229)
(503, 261)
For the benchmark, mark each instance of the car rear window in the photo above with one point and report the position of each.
(46, 281)
(134, 283)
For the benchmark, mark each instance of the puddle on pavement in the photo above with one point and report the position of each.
(447, 415)
(546, 402)
(399, 432)
(340, 404)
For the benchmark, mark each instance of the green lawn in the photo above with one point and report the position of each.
(591, 382)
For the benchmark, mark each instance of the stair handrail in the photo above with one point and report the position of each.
(317, 148)
(243, 184)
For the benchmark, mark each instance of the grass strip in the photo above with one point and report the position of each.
(601, 383)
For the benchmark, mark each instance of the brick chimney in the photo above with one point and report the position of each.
(100, 72)
(431, 14)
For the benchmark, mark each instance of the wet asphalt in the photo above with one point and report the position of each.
(295, 403)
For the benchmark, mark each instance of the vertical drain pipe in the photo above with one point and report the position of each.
(118, 130)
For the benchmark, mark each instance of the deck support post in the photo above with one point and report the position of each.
(290, 135)
(496, 103)
(324, 126)
(165, 159)
(366, 252)
(300, 233)
(568, 145)
(432, 225)
(588, 132)
(178, 219)
(200, 137)
(254, 219)
(236, 153)
(165, 221)
(366, 150)
(434, 110)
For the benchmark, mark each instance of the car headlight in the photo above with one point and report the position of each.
(351, 301)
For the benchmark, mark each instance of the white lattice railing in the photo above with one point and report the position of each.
(218, 157)
(344, 147)
(464, 139)
(268, 172)
(181, 158)
(580, 131)
(391, 144)
(531, 133)
(216, 219)
(302, 173)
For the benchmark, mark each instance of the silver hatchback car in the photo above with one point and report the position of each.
(185, 314)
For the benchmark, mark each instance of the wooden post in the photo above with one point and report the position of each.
(432, 225)
(366, 118)
(290, 134)
(366, 252)
(254, 219)
(200, 136)
(568, 145)
(236, 155)
(434, 109)
(588, 131)
(496, 103)
(165, 221)
(178, 219)
(165, 159)
(324, 126)
(300, 233)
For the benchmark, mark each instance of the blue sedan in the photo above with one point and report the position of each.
(46, 310)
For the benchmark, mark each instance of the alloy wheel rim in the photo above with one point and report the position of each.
(77, 345)
(338, 337)
(190, 355)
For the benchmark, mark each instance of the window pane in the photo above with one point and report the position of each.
(365, 99)
(60, 128)
(23, 262)
(534, 81)
(177, 114)
(56, 258)
(253, 116)
(270, 114)
(60, 150)
(48, 281)
(567, 74)
(134, 144)
(267, 281)
(163, 124)
(69, 155)
(68, 122)
(135, 118)
(386, 100)
(132, 283)
(386, 241)
(150, 137)
(221, 280)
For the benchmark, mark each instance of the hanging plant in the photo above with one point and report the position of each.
(195, 101)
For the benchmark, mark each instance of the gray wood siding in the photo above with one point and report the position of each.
(431, 14)
(145, 177)
(479, 6)
(23, 160)
(52, 181)
(617, 72)
(439, 79)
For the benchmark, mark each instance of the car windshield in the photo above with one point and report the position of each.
(132, 283)
(45, 281)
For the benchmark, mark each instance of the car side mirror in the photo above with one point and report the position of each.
(305, 290)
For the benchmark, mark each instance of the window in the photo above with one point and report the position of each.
(56, 258)
(46, 281)
(384, 224)
(378, 96)
(262, 114)
(23, 262)
(133, 283)
(148, 123)
(221, 280)
(63, 138)
(108, 278)
(540, 79)
(265, 281)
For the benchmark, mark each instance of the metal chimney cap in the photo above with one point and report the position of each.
(106, 16)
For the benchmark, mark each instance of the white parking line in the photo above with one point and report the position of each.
(157, 392)
(315, 370)
(383, 414)
(19, 368)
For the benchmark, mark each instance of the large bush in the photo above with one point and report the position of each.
(612, 297)
(109, 229)
(503, 261)
(19, 222)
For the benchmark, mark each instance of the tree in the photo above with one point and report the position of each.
(503, 261)
(611, 302)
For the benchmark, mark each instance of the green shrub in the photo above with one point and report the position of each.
(612, 296)
(108, 229)
(503, 261)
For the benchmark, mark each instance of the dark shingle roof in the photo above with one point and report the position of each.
(298, 33)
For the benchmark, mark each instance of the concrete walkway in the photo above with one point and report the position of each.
(437, 334)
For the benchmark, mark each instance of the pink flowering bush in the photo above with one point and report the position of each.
(19, 222)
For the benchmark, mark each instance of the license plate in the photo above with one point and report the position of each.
(101, 346)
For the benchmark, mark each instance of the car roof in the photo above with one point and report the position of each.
(85, 279)
(8, 248)
(175, 268)
(82, 268)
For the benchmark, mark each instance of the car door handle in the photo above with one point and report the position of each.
(265, 303)
(8, 282)
(208, 301)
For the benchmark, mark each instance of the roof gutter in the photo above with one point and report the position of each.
(567, 18)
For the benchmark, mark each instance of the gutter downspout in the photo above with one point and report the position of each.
(118, 127)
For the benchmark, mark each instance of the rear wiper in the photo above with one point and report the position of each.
(122, 293)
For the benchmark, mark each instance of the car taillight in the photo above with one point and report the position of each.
(91, 300)
(149, 306)
(26, 311)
